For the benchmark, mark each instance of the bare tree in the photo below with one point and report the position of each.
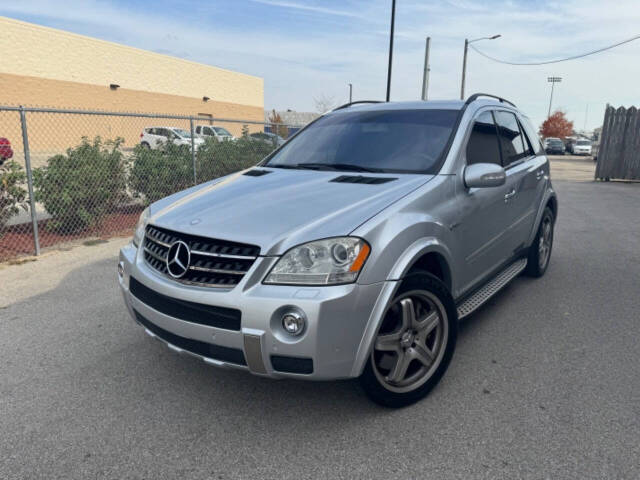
(324, 103)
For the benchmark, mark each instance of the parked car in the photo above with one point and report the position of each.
(554, 146)
(352, 251)
(219, 133)
(6, 152)
(581, 147)
(154, 137)
(267, 137)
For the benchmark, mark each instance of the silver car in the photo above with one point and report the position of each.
(353, 250)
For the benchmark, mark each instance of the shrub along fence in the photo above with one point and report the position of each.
(96, 184)
(619, 152)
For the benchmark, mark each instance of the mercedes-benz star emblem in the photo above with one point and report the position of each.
(178, 259)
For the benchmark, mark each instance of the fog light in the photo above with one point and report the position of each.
(293, 323)
(120, 270)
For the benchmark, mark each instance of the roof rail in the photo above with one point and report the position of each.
(475, 96)
(347, 105)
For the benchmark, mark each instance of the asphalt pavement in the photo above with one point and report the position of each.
(545, 383)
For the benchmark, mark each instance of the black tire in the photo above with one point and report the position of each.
(380, 391)
(535, 266)
(146, 145)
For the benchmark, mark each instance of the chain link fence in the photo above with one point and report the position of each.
(71, 174)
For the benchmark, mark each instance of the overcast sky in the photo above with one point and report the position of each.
(309, 48)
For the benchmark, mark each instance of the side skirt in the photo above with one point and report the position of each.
(489, 289)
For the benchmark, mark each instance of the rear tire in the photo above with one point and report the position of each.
(146, 145)
(414, 343)
(540, 250)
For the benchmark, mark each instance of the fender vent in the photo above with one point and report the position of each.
(362, 179)
(256, 173)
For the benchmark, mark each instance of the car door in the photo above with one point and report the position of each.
(209, 132)
(480, 232)
(537, 173)
(517, 160)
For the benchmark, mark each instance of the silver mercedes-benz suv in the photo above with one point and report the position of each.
(352, 250)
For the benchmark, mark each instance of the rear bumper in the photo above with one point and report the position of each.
(329, 348)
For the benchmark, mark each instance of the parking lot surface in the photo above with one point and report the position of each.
(545, 383)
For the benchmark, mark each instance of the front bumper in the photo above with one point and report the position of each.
(332, 343)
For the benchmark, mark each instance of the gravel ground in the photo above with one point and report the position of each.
(545, 381)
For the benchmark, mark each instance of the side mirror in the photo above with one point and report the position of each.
(483, 175)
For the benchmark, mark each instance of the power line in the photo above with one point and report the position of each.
(558, 60)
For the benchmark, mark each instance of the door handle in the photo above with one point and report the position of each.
(539, 174)
(509, 195)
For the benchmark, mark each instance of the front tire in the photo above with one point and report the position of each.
(414, 343)
(540, 250)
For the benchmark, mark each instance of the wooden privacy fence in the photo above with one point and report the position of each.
(619, 153)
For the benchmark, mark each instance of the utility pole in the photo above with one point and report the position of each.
(425, 73)
(464, 68)
(350, 92)
(552, 81)
(464, 59)
(393, 21)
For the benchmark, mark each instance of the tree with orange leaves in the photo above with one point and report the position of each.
(556, 126)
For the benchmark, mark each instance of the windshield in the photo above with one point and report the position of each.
(555, 142)
(182, 133)
(221, 131)
(583, 142)
(404, 141)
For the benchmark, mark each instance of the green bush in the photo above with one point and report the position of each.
(217, 159)
(78, 189)
(12, 194)
(156, 174)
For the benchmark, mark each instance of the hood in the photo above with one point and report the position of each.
(281, 209)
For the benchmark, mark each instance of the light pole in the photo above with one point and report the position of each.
(393, 21)
(552, 81)
(425, 73)
(350, 92)
(464, 59)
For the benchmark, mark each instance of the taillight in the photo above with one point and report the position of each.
(142, 135)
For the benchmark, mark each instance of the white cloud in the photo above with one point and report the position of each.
(306, 7)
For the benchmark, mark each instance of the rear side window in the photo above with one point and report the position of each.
(534, 139)
(483, 142)
(511, 138)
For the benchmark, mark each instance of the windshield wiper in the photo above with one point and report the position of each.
(340, 166)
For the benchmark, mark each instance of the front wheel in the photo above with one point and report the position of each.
(414, 343)
(540, 250)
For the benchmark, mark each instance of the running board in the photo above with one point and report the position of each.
(492, 287)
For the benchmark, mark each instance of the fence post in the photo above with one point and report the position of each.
(27, 164)
(193, 152)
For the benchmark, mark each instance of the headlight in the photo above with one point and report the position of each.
(138, 235)
(323, 262)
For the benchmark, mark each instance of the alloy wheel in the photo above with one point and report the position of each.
(544, 244)
(411, 341)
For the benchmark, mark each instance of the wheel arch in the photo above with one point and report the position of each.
(425, 251)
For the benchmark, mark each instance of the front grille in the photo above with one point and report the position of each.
(219, 317)
(214, 263)
(209, 350)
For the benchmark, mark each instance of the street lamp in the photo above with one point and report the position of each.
(464, 59)
(393, 22)
(350, 92)
(552, 81)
